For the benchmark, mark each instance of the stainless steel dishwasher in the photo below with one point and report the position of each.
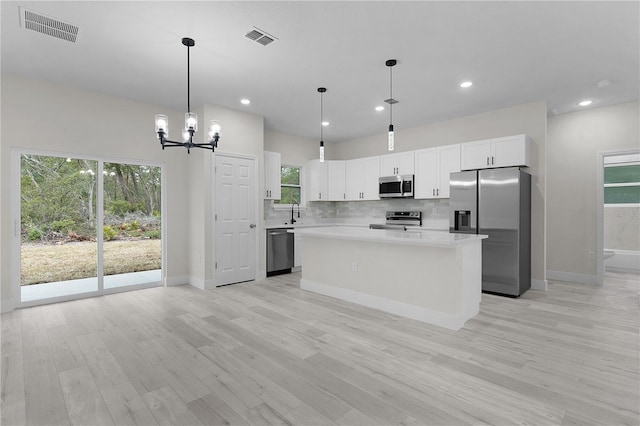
(279, 251)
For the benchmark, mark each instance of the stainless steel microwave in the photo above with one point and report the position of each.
(398, 186)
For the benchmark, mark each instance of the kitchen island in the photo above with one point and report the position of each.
(429, 276)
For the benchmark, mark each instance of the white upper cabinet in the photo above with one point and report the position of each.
(400, 163)
(272, 173)
(336, 189)
(433, 166)
(316, 181)
(362, 178)
(326, 180)
(499, 152)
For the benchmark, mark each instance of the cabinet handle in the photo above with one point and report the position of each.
(492, 160)
(319, 195)
(433, 192)
(438, 191)
(487, 161)
(344, 195)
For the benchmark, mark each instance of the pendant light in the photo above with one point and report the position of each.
(190, 120)
(321, 90)
(390, 136)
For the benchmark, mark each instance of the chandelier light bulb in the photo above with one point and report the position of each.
(191, 121)
(162, 124)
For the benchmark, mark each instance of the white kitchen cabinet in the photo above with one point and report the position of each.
(400, 163)
(272, 173)
(499, 152)
(433, 166)
(316, 181)
(336, 189)
(361, 178)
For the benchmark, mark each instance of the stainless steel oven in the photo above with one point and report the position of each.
(398, 186)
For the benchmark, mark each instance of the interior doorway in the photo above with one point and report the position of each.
(618, 244)
(235, 219)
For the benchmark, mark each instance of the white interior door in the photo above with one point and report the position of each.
(235, 223)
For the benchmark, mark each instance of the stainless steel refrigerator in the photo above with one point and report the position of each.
(497, 203)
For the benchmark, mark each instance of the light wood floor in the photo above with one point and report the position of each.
(269, 353)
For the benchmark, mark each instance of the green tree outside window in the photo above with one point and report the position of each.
(290, 187)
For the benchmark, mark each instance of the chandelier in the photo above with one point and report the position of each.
(190, 120)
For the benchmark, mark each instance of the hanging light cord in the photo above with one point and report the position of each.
(391, 95)
(188, 81)
(321, 117)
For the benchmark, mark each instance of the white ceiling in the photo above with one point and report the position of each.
(514, 52)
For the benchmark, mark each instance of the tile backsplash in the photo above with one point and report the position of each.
(435, 213)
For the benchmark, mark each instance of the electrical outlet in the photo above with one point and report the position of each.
(354, 267)
(592, 255)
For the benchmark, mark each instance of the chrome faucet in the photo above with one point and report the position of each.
(292, 219)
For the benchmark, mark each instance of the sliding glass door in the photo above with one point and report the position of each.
(132, 224)
(63, 203)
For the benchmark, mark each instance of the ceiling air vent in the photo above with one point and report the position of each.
(260, 36)
(49, 26)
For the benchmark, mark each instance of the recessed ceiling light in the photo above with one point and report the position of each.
(604, 83)
(585, 103)
(379, 108)
(325, 123)
(245, 101)
(466, 84)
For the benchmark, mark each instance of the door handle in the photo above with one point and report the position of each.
(253, 225)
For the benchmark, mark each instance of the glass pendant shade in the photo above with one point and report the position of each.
(191, 121)
(321, 151)
(391, 138)
(162, 124)
(214, 129)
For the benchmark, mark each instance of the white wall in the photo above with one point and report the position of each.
(294, 150)
(241, 134)
(56, 119)
(574, 141)
(41, 116)
(530, 119)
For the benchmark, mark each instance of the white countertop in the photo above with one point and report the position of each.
(417, 237)
(311, 225)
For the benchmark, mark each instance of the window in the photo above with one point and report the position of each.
(622, 184)
(291, 190)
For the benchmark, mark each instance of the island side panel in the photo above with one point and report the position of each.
(430, 279)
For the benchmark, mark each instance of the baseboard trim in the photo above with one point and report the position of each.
(177, 280)
(539, 285)
(6, 306)
(452, 322)
(572, 277)
(202, 284)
